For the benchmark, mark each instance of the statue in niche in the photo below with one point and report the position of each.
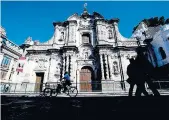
(62, 36)
(86, 55)
(115, 67)
(110, 34)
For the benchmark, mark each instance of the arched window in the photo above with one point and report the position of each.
(86, 38)
(162, 53)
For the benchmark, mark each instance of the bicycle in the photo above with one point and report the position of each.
(58, 88)
(5, 87)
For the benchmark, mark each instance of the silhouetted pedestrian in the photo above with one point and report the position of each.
(147, 69)
(136, 78)
(131, 79)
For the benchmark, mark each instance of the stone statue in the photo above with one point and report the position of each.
(85, 7)
(62, 36)
(29, 41)
(115, 67)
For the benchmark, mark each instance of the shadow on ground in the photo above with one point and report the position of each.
(105, 108)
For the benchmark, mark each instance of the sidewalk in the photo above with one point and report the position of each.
(85, 94)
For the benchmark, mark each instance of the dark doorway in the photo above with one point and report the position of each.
(39, 81)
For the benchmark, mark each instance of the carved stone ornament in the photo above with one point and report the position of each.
(41, 66)
(85, 24)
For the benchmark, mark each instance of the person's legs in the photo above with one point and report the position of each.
(67, 83)
(138, 90)
(64, 86)
(131, 89)
(143, 89)
(58, 88)
(152, 87)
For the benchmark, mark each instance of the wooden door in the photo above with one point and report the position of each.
(85, 80)
(39, 82)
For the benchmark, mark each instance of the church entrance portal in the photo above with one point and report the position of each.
(86, 79)
(39, 82)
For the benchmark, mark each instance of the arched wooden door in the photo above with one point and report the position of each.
(86, 76)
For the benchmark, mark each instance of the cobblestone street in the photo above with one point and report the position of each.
(49, 108)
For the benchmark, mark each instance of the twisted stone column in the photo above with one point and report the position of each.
(71, 66)
(102, 67)
(110, 66)
(63, 65)
(107, 71)
(67, 63)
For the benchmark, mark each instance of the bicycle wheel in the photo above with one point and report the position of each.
(56, 92)
(47, 92)
(72, 92)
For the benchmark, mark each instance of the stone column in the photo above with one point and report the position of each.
(72, 68)
(102, 68)
(107, 71)
(110, 66)
(63, 65)
(67, 63)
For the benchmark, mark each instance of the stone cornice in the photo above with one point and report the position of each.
(53, 50)
(37, 51)
(86, 44)
(11, 50)
(67, 48)
(104, 46)
(64, 24)
(111, 21)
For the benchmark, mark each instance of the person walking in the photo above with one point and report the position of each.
(147, 69)
(136, 77)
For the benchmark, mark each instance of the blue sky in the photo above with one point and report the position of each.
(23, 19)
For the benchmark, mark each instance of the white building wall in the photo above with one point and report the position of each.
(51, 66)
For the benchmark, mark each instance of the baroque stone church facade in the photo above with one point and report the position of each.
(87, 46)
